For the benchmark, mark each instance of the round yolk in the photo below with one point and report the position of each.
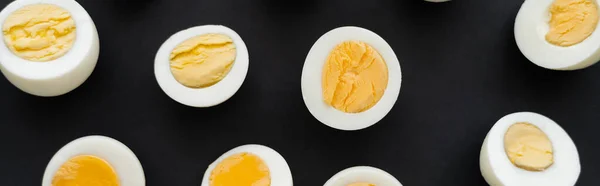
(527, 147)
(85, 170)
(572, 21)
(243, 169)
(354, 77)
(203, 60)
(361, 184)
(39, 32)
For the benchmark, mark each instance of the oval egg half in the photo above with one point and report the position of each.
(362, 175)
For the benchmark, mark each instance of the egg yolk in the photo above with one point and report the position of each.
(572, 21)
(361, 184)
(243, 169)
(527, 147)
(354, 77)
(203, 60)
(39, 32)
(85, 170)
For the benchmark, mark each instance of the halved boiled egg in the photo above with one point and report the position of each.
(249, 165)
(362, 176)
(202, 66)
(49, 47)
(559, 34)
(350, 79)
(94, 160)
(526, 149)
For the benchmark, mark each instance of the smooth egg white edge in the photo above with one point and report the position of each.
(208, 96)
(59, 76)
(531, 27)
(312, 78)
(497, 169)
(365, 174)
(280, 172)
(120, 157)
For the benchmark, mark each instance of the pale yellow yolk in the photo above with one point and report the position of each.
(572, 21)
(528, 147)
(243, 169)
(85, 170)
(39, 32)
(361, 184)
(354, 77)
(203, 60)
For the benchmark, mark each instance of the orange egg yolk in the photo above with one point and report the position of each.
(362, 184)
(85, 170)
(243, 169)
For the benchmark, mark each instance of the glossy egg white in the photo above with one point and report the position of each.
(362, 174)
(531, 27)
(126, 165)
(208, 96)
(497, 169)
(278, 167)
(59, 76)
(312, 78)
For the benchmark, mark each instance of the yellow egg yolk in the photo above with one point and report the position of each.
(361, 184)
(243, 169)
(572, 21)
(39, 32)
(354, 77)
(85, 170)
(203, 60)
(528, 147)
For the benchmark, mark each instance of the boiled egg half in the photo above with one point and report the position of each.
(524, 149)
(202, 66)
(49, 47)
(362, 176)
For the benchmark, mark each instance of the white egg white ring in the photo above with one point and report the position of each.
(278, 167)
(497, 169)
(208, 96)
(364, 174)
(531, 27)
(59, 76)
(120, 157)
(312, 74)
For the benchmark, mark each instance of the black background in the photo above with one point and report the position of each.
(461, 69)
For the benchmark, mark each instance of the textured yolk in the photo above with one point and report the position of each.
(527, 147)
(243, 169)
(39, 32)
(572, 21)
(354, 77)
(203, 60)
(85, 170)
(361, 184)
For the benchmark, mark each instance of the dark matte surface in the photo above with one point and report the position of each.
(462, 72)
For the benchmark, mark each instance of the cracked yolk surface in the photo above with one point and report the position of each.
(243, 169)
(39, 32)
(528, 147)
(85, 170)
(355, 77)
(361, 184)
(572, 21)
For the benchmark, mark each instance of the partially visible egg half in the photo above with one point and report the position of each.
(51, 55)
(541, 153)
(559, 34)
(350, 79)
(94, 160)
(362, 176)
(202, 66)
(249, 165)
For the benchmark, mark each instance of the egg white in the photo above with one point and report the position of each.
(364, 174)
(312, 91)
(497, 169)
(531, 27)
(208, 96)
(121, 159)
(61, 75)
(278, 167)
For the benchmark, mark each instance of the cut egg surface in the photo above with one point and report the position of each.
(559, 34)
(524, 149)
(362, 176)
(94, 160)
(49, 47)
(202, 66)
(249, 165)
(350, 79)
